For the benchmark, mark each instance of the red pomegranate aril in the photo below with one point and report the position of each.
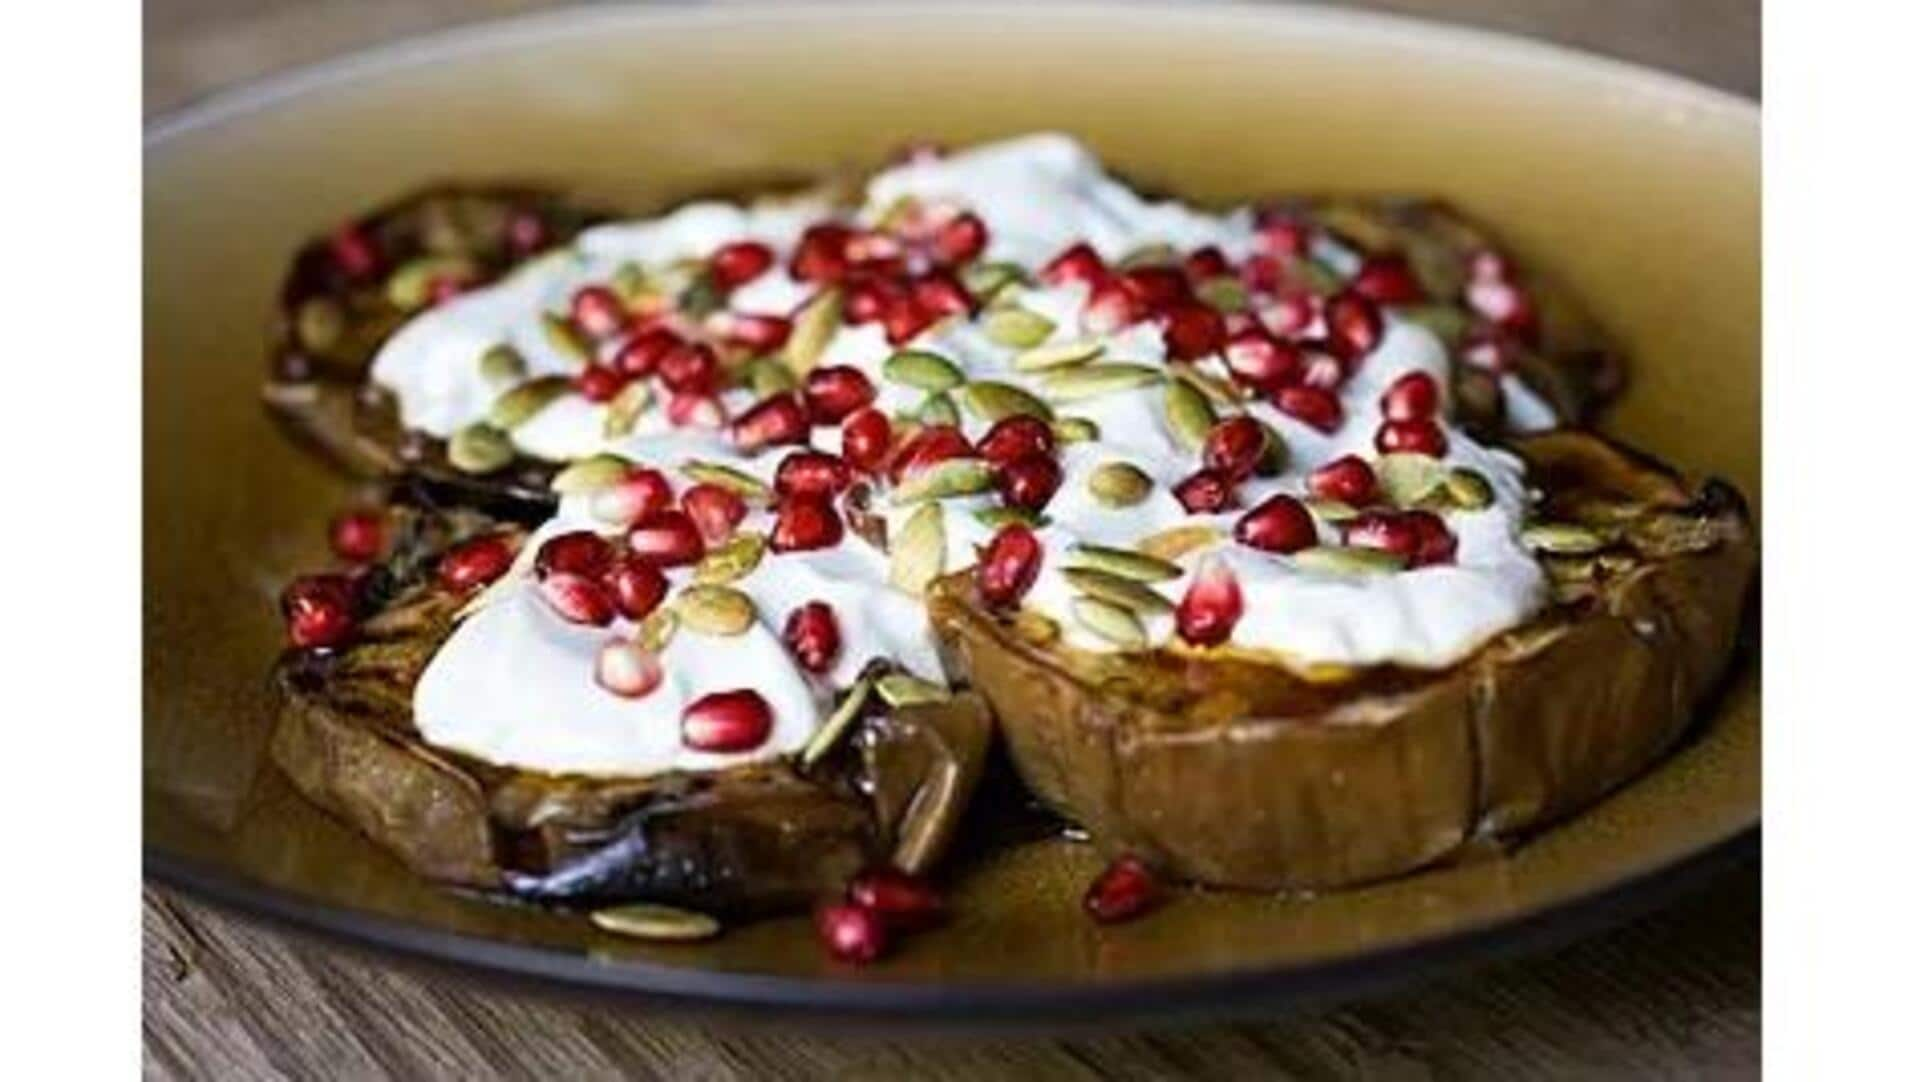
(318, 610)
(1193, 330)
(1284, 235)
(1029, 482)
(812, 473)
(475, 562)
(354, 252)
(526, 232)
(1233, 447)
(726, 721)
(934, 443)
(959, 239)
(667, 538)
(714, 509)
(1204, 492)
(599, 383)
(1111, 307)
(1290, 315)
(577, 599)
(1261, 361)
(1488, 348)
(358, 536)
(866, 439)
(777, 419)
(443, 288)
(904, 319)
(867, 299)
(1413, 397)
(905, 902)
(1159, 288)
(1505, 305)
(689, 368)
(756, 333)
(1387, 279)
(1435, 543)
(1487, 265)
(1009, 564)
(821, 254)
(1211, 606)
(636, 584)
(851, 933)
(1321, 368)
(1125, 890)
(579, 552)
(1206, 263)
(1347, 479)
(1279, 524)
(1315, 406)
(875, 250)
(734, 265)
(803, 523)
(1079, 263)
(941, 294)
(627, 669)
(813, 635)
(597, 311)
(695, 409)
(834, 392)
(1422, 437)
(1016, 437)
(1388, 531)
(1354, 325)
(639, 494)
(640, 355)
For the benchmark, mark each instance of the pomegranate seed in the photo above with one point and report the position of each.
(939, 293)
(1387, 279)
(1413, 397)
(318, 610)
(599, 383)
(726, 721)
(1284, 235)
(1436, 544)
(475, 562)
(1279, 524)
(1353, 324)
(636, 584)
(667, 538)
(734, 265)
(1008, 565)
(867, 300)
(1159, 288)
(1315, 406)
(1261, 361)
(812, 473)
(1125, 890)
(1505, 305)
(1192, 331)
(639, 494)
(835, 391)
(1111, 306)
(1347, 479)
(577, 599)
(597, 311)
(960, 239)
(875, 250)
(1290, 315)
(777, 419)
(1016, 437)
(358, 536)
(1410, 437)
(1263, 273)
(1029, 482)
(641, 354)
(1079, 263)
(526, 233)
(580, 552)
(1204, 263)
(715, 510)
(1212, 605)
(803, 523)
(904, 319)
(934, 443)
(1234, 447)
(627, 669)
(851, 933)
(1204, 492)
(354, 252)
(1321, 368)
(813, 635)
(866, 439)
(1487, 265)
(695, 410)
(1385, 530)
(905, 902)
(821, 254)
(754, 333)
(442, 289)
(1487, 348)
(689, 368)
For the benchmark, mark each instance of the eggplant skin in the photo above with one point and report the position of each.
(1236, 774)
(740, 842)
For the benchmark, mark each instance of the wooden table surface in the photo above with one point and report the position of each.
(1673, 995)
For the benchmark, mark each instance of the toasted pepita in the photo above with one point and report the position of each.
(1225, 293)
(834, 728)
(713, 609)
(410, 286)
(1111, 622)
(1155, 254)
(479, 448)
(1075, 430)
(1273, 454)
(813, 328)
(1120, 590)
(517, 405)
(944, 480)
(937, 409)
(769, 376)
(1016, 328)
(502, 365)
(898, 689)
(1057, 355)
(625, 410)
(919, 553)
(1189, 415)
(732, 560)
(319, 323)
(646, 920)
(1174, 543)
(715, 473)
(630, 282)
(1468, 489)
(1407, 479)
(1331, 510)
(1349, 560)
(1097, 380)
(1447, 322)
(989, 400)
(1124, 563)
(993, 518)
(988, 280)
(566, 340)
(657, 629)
(590, 474)
(922, 370)
(1118, 484)
(1562, 539)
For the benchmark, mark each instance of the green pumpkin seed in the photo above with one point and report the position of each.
(1176, 541)
(590, 474)
(715, 610)
(566, 340)
(1016, 328)
(517, 405)
(937, 409)
(1075, 430)
(944, 480)
(732, 560)
(1057, 355)
(739, 481)
(924, 371)
(1221, 394)
(1274, 455)
(1149, 255)
(1119, 484)
(1189, 416)
(645, 920)
(657, 629)
(701, 298)
(479, 448)
(990, 401)
(410, 286)
(1097, 380)
(899, 690)
(813, 327)
(631, 283)
(1349, 560)
(320, 323)
(502, 365)
(1407, 479)
(624, 412)
(1225, 293)
(768, 376)
(1562, 539)
(1124, 563)
(836, 724)
(1469, 489)
(1117, 590)
(1331, 510)
(987, 280)
(1319, 277)
(1110, 622)
(1448, 323)
(993, 518)
(919, 553)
